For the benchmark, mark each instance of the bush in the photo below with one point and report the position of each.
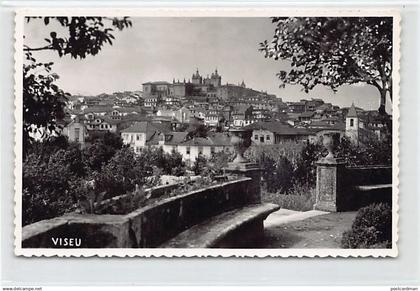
(372, 228)
(170, 164)
(277, 173)
(305, 171)
(219, 161)
(48, 186)
(300, 198)
(200, 166)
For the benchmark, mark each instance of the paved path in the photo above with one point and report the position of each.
(309, 229)
(283, 216)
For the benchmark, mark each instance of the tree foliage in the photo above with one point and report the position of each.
(199, 166)
(101, 151)
(277, 173)
(50, 185)
(56, 174)
(372, 228)
(83, 36)
(333, 51)
(43, 100)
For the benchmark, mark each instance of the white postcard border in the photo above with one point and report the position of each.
(202, 12)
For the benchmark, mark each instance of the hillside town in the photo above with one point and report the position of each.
(163, 114)
(178, 156)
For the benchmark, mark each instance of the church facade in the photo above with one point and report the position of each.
(196, 87)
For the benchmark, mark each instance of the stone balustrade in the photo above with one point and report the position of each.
(148, 226)
(343, 188)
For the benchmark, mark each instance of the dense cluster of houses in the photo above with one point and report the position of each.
(162, 113)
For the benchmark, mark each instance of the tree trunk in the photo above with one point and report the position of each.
(382, 102)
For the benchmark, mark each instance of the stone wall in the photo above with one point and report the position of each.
(341, 188)
(149, 226)
(367, 185)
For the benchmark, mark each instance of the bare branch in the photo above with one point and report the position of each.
(29, 49)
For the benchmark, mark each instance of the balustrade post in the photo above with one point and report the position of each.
(241, 140)
(330, 180)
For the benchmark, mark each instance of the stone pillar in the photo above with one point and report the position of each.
(251, 170)
(241, 140)
(330, 185)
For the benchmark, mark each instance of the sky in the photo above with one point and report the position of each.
(161, 49)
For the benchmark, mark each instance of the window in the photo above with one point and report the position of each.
(212, 150)
(188, 150)
(256, 137)
(267, 137)
(262, 138)
(138, 136)
(351, 122)
(76, 134)
(200, 150)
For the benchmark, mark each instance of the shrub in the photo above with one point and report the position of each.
(200, 166)
(48, 188)
(170, 164)
(219, 161)
(305, 172)
(300, 198)
(372, 228)
(120, 174)
(277, 173)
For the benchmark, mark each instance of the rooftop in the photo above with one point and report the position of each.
(278, 128)
(352, 111)
(157, 83)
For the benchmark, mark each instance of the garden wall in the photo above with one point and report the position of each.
(341, 188)
(148, 226)
(367, 185)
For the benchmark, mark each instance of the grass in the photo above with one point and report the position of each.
(300, 199)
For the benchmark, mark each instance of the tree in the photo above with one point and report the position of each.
(200, 165)
(333, 51)
(83, 36)
(305, 172)
(99, 153)
(176, 165)
(120, 174)
(50, 185)
(43, 100)
(283, 175)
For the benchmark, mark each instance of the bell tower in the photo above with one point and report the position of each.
(352, 125)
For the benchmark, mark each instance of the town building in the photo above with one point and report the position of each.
(192, 148)
(358, 130)
(275, 132)
(143, 134)
(76, 131)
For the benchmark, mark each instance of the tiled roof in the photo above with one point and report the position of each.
(352, 111)
(307, 114)
(111, 121)
(198, 141)
(137, 127)
(147, 127)
(176, 138)
(279, 128)
(98, 108)
(130, 109)
(320, 125)
(214, 139)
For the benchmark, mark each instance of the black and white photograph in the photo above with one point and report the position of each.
(207, 133)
